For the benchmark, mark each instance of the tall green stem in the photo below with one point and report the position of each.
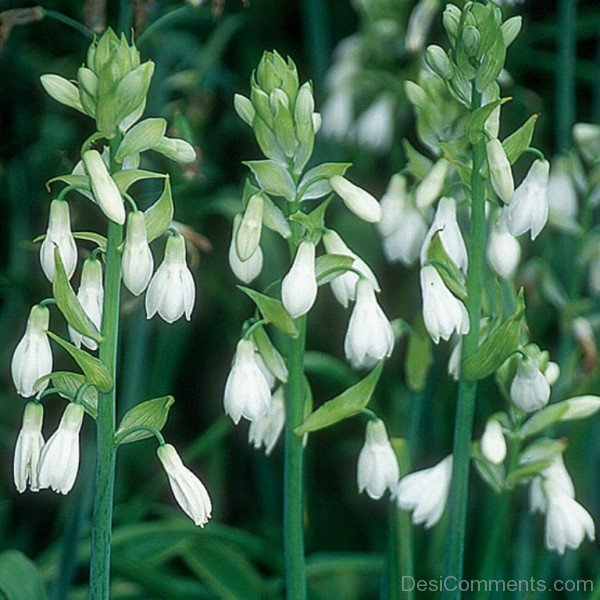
(467, 390)
(565, 74)
(105, 424)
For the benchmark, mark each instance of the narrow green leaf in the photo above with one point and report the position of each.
(273, 359)
(272, 311)
(160, 215)
(477, 119)
(69, 304)
(78, 181)
(330, 266)
(127, 177)
(347, 404)
(492, 474)
(142, 136)
(274, 219)
(152, 413)
(88, 236)
(419, 356)
(313, 221)
(95, 372)
(315, 182)
(418, 164)
(449, 272)
(517, 142)
(526, 472)
(273, 178)
(20, 578)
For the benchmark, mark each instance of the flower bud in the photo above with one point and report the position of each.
(510, 29)
(172, 292)
(359, 201)
(587, 138)
(176, 149)
(581, 407)
(305, 106)
(104, 188)
(266, 430)
(138, 262)
(429, 190)
(471, 39)
(500, 172)
(62, 90)
(244, 270)
(419, 24)
(32, 358)
(529, 389)
(248, 233)
(58, 235)
(503, 250)
(439, 62)
(28, 448)
(299, 286)
(562, 195)
(375, 126)
(91, 298)
(451, 19)
(493, 444)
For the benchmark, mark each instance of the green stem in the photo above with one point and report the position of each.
(565, 74)
(72, 23)
(467, 390)
(105, 460)
(164, 21)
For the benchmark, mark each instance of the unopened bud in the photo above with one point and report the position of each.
(439, 62)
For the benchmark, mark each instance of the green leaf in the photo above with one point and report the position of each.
(477, 119)
(492, 474)
(543, 449)
(95, 372)
(272, 311)
(153, 413)
(313, 221)
(77, 181)
(449, 272)
(273, 359)
(273, 178)
(160, 215)
(347, 404)
(91, 236)
(526, 472)
(69, 304)
(418, 164)
(502, 342)
(330, 368)
(20, 578)
(142, 136)
(330, 266)
(518, 141)
(274, 219)
(68, 385)
(419, 356)
(127, 177)
(315, 182)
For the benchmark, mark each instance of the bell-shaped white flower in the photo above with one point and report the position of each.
(105, 190)
(370, 337)
(493, 444)
(32, 358)
(425, 492)
(443, 313)
(392, 205)
(503, 250)
(501, 175)
(244, 270)
(375, 126)
(266, 430)
(247, 236)
(91, 298)
(430, 188)
(28, 448)
(299, 286)
(58, 235)
(247, 391)
(419, 24)
(337, 114)
(377, 462)
(359, 201)
(556, 473)
(188, 490)
(59, 460)
(138, 262)
(529, 389)
(344, 285)
(562, 194)
(528, 209)
(172, 292)
(446, 226)
(587, 138)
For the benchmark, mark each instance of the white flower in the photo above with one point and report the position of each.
(299, 286)
(562, 195)
(429, 190)
(247, 391)
(377, 463)
(529, 389)
(28, 447)
(104, 188)
(446, 226)
(344, 285)
(337, 114)
(244, 270)
(91, 297)
(587, 138)
(493, 444)
(392, 206)
(443, 313)
(32, 358)
(359, 201)
(138, 262)
(501, 175)
(503, 250)
(419, 24)
(556, 473)
(58, 235)
(172, 292)
(375, 126)
(552, 373)
(266, 430)
(247, 236)
(425, 492)
(188, 490)
(370, 337)
(59, 461)
(528, 209)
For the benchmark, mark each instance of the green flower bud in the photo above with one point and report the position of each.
(439, 62)
(501, 175)
(451, 20)
(103, 186)
(471, 39)
(244, 108)
(510, 29)
(62, 91)
(176, 149)
(305, 106)
(248, 233)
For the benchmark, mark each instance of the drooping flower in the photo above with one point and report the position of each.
(138, 262)
(370, 337)
(32, 358)
(344, 285)
(375, 126)
(503, 250)
(501, 175)
(556, 473)
(266, 430)
(247, 391)
(443, 313)
(529, 389)
(562, 194)
(419, 24)
(430, 188)
(528, 209)
(58, 235)
(244, 270)
(188, 490)
(59, 460)
(377, 464)
(91, 297)
(28, 448)
(493, 444)
(172, 292)
(248, 233)
(425, 492)
(299, 286)
(359, 201)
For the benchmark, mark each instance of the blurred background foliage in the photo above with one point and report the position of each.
(203, 56)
